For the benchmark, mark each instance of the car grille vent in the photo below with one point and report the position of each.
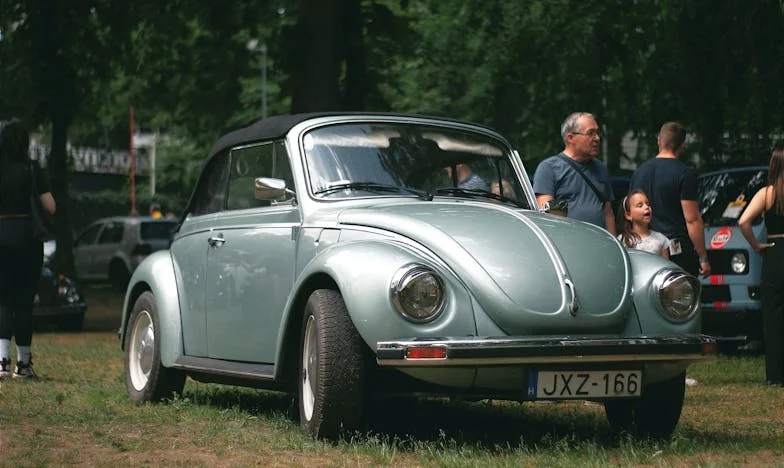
(715, 293)
(720, 261)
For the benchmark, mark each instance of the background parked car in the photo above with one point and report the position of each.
(59, 300)
(110, 249)
(731, 294)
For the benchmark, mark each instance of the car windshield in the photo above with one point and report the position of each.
(724, 195)
(406, 160)
(157, 229)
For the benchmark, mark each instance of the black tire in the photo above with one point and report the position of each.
(145, 378)
(72, 322)
(332, 373)
(655, 415)
(119, 276)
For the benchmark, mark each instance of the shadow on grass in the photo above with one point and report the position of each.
(485, 425)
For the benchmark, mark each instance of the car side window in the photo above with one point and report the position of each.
(88, 236)
(111, 234)
(210, 193)
(248, 163)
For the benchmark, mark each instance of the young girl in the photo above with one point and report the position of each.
(634, 219)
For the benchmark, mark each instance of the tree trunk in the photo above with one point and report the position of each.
(317, 63)
(55, 82)
(354, 54)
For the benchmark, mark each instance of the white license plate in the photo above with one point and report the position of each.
(559, 385)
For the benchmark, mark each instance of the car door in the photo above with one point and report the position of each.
(105, 249)
(250, 266)
(83, 250)
(189, 253)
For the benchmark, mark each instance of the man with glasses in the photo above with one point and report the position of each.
(576, 175)
(672, 189)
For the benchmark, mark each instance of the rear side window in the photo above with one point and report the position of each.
(210, 195)
(157, 230)
(112, 233)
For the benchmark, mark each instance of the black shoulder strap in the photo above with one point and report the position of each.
(574, 165)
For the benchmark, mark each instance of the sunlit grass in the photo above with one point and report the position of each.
(77, 412)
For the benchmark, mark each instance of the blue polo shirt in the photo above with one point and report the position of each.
(558, 178)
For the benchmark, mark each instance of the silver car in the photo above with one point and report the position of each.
(110, 249)
(346, 258)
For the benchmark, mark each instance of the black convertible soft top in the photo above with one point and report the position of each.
(263, 129)
(279, 125)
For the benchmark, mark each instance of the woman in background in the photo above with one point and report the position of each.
(21, 254)
(769, 201)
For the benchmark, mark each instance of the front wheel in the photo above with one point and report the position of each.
(654, 415)
(332, 372)
(145, 377)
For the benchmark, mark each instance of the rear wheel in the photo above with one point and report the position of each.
(654, 415)
(145, 377)
(331, 368)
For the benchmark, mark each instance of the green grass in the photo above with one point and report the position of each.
(77, 412)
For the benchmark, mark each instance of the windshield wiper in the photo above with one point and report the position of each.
(374, 186)
(479, 193)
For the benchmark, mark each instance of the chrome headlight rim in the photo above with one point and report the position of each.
(665, 279)
(405, 277)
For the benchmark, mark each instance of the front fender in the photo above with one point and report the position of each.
(363, 272)
(652, 321)
(156, 274)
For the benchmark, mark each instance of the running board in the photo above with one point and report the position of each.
(235, 369)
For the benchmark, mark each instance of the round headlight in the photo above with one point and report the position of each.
(678, 294)
(739, 262)
(418, 293)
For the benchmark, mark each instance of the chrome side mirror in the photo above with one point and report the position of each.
(268, 188)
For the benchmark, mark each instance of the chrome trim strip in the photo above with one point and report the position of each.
(489, 351)
(543, 360)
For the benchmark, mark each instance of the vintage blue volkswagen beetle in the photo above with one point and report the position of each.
(349, 257)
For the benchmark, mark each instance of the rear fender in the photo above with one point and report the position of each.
(156, 274)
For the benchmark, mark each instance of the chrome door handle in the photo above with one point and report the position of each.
(216, 241)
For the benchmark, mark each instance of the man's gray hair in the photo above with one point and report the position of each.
(570, 124)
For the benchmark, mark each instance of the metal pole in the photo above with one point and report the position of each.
(152, 162)
(263, 81)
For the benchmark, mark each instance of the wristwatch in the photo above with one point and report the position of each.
(703, 259)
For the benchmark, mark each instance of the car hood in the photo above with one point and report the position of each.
(530, 272)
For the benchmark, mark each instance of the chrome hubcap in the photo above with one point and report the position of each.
(142, 349)
(309, 368)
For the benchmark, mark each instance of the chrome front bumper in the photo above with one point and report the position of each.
(500, 351)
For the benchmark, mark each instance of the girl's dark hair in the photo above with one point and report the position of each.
(628, 237)
(776, 175)
(14, 142)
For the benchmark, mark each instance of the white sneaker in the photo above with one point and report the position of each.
(5, 369)
(690, 382)
(24, 371)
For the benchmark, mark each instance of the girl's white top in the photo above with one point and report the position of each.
(654, 243)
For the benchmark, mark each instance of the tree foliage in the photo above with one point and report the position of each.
(75, 67)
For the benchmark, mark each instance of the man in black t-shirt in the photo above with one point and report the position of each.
(671, 187)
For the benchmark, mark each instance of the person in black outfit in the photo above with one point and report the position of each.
(672, 189)
(769, 202)
(21, 254)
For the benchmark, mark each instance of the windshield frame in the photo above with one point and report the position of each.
(499, 147)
